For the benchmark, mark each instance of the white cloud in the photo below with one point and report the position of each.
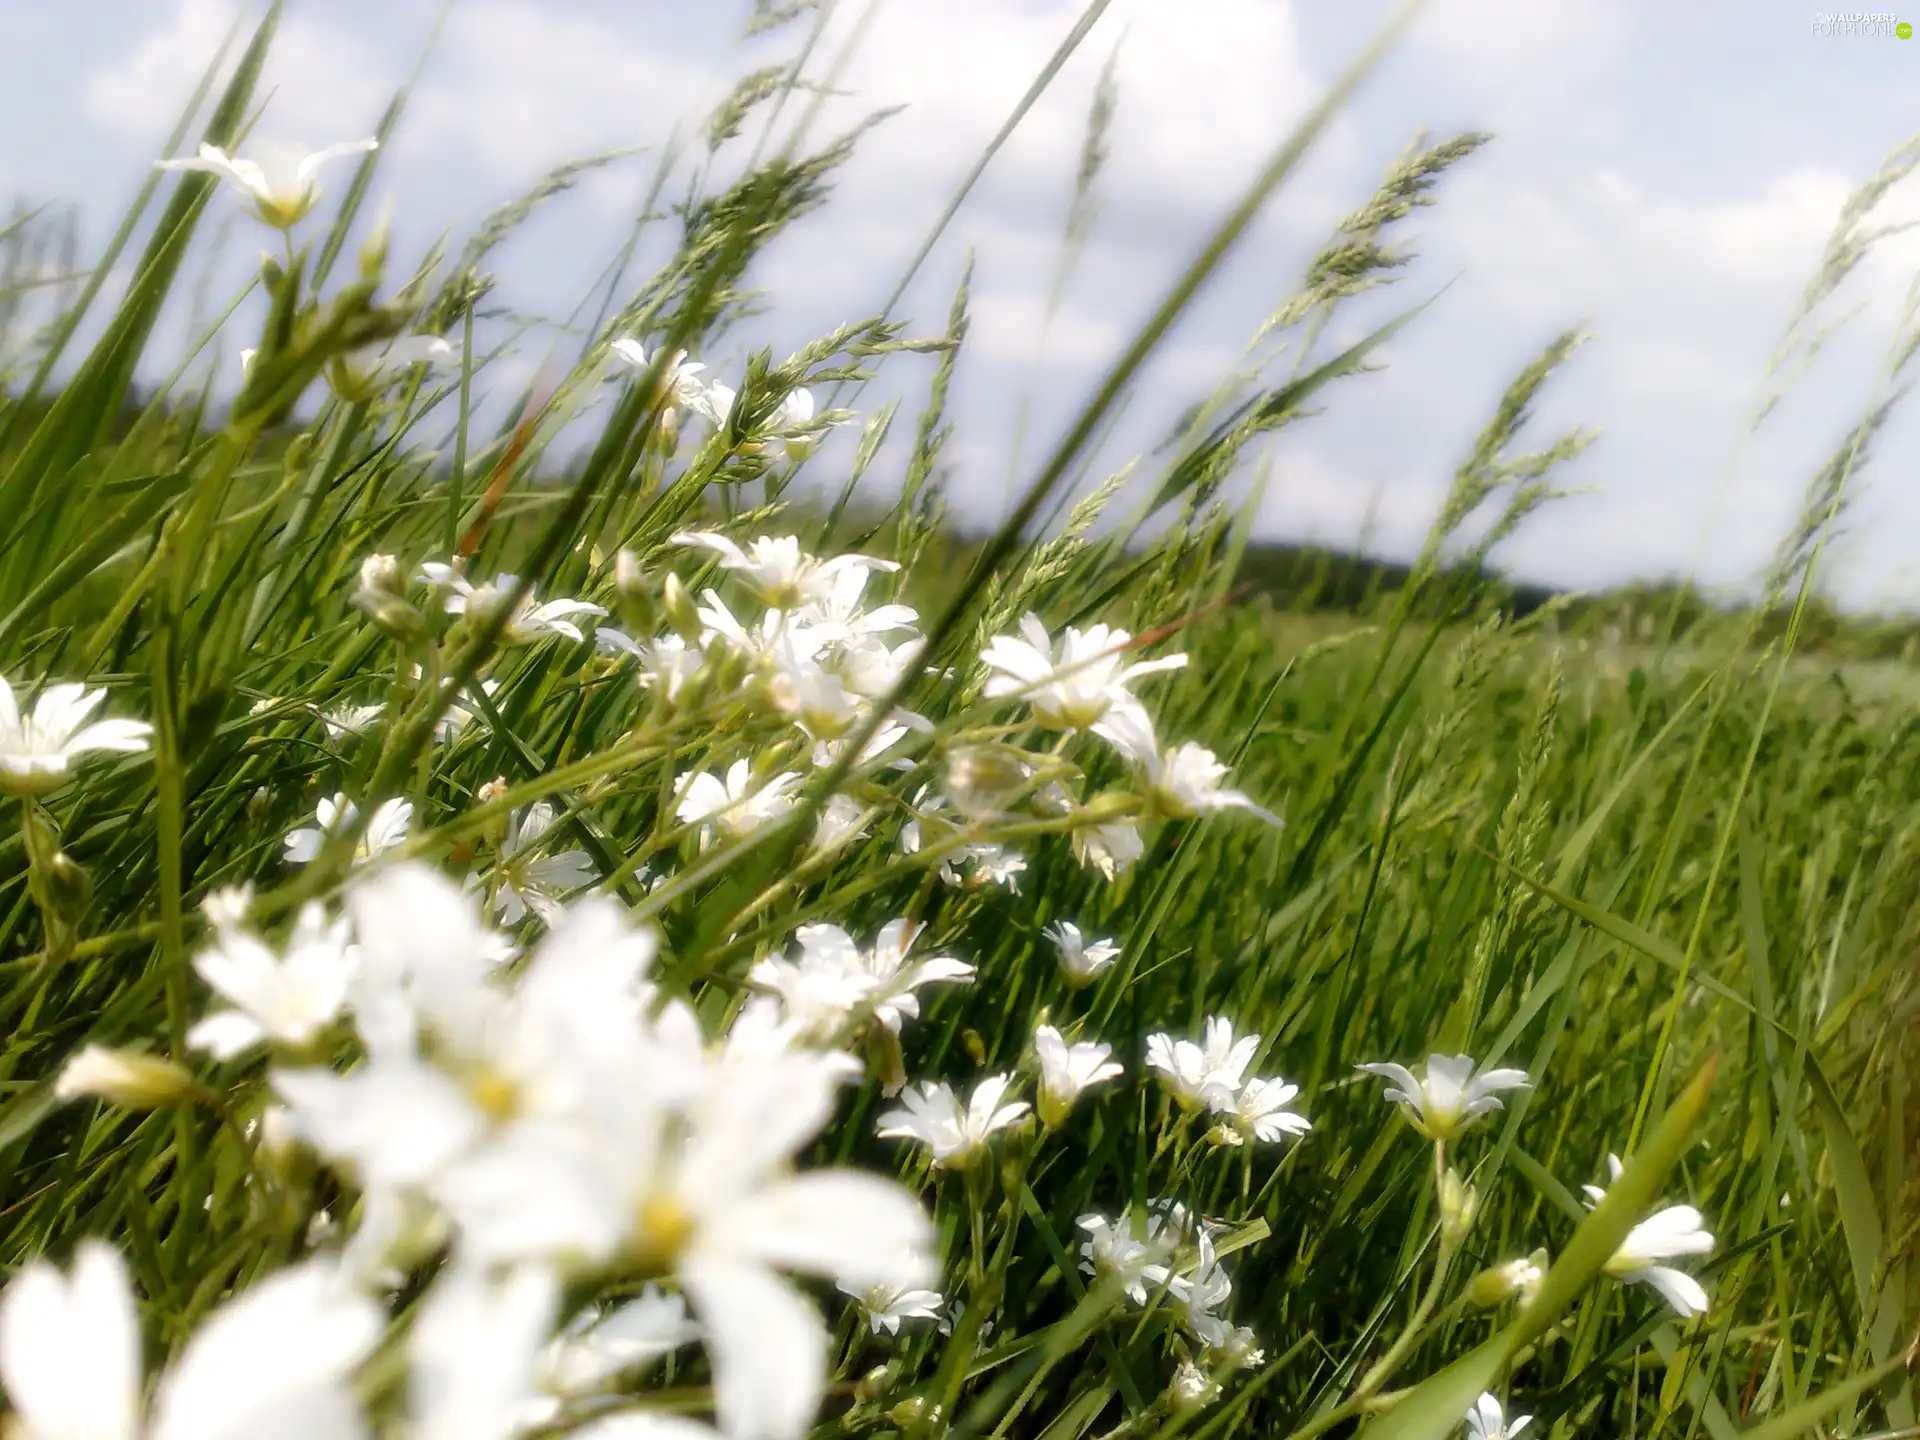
(324, 82)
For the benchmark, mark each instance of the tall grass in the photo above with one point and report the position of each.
(1617, 869)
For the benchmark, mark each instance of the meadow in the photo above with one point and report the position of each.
(649, 939)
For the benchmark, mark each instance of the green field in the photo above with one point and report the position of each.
(1671, 877)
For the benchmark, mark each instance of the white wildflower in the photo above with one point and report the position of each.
(1449, 1096)
(285, 999)
(1183, 782)
(275, 1359)
(1195, 1074)
(1081, 961)
(1487, 1421)
(387, 828)
(530, 881)
(777, 570)
(37, 750)
(280, 183)
(1068, 1071)
(1664, 1235)
(956, 1135)
(885, 1306)
(738, 805)
(1073, 684)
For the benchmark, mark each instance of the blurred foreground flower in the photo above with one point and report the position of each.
(37, 750)
(276, 1359)
(280, 184)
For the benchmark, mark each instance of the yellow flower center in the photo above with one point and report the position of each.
(494, 1095)
(662, 1227)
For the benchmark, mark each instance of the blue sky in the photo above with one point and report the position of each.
(1666, 174)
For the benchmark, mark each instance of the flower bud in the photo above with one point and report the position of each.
(382, 594)
(1459, 1204)
(981, 780)
(69, 889)
(373, 254)
(1225, 1136)
(126, 1078)
(679, 609)
(914, 1410)
(639, 607)
(886, 1060)
(875, 1383)
(1498, 1283)
(383, 573)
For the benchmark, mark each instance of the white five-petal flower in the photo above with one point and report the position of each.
(1068, 1071)
(956, 1134)
(1195, 1074)
(276, 1359)
(1487, 1421)
(387, 828)
(285, 999)
(1665, 1235)
(1183, 782)
(1449, 1095)
(37, 750)
(1081, 960)
(777, 570)
(738, 805)
(281, 181)
(1073, 684)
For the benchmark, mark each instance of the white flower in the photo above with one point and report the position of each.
(837, 619)
(737, 805)
(678, 1164)
(1195, 1074)
(273, 1360)
(387, 828)
(684, 388)
(454, 1052)
(1191, 1388)
(833, 980)
(1139, 1260)
(1074, 684)
(1674, 1231)
(895, 977)
(600, 1346)
(886, 1306)
(777, 570)
(957, 1135)
(1487, 1421)
(529, 621)
(996, 865)
(1449, 1096)
(228, 906)
(533, 882)
(356, 373)
(1066, 1071)
(280, 184)
(1183, 781)
(473, 1349)
(349, 721)
(286, 999)
(1260, 1111)
(37, 751)
(668, 663)
(1111, 849)
(795, 426)
(1080, 961)
(841, 821)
